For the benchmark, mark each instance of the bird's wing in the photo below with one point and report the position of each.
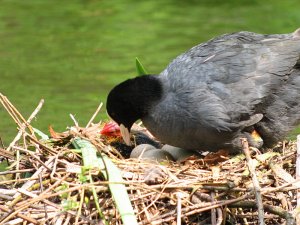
(231, 77)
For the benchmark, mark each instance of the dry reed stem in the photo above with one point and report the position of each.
(94, 115)
(255, 182)
(28, 121)
(298, 178)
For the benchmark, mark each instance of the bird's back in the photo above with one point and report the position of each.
(215, 86)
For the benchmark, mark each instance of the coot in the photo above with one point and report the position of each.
(217, 92)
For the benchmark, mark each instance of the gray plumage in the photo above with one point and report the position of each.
(209, 96)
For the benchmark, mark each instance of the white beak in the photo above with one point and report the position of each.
(125, 134)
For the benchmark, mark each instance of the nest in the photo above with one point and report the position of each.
(44, 183)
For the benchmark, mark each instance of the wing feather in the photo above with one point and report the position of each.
(230, 77)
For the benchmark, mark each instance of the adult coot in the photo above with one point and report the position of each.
(215, 93)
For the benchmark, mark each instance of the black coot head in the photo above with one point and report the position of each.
(119, 105)
(131, 99)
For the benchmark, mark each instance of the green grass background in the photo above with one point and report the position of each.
(72, 52)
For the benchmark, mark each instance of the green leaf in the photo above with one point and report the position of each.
(118, 191)
(62, 188)
(70, 204)
(89, 155)
(41, 134)
(3, 166)
(139, 67)
(111, 173)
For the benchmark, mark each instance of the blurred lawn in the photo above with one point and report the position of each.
(72, 52)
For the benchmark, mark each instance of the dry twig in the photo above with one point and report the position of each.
(256, 185)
